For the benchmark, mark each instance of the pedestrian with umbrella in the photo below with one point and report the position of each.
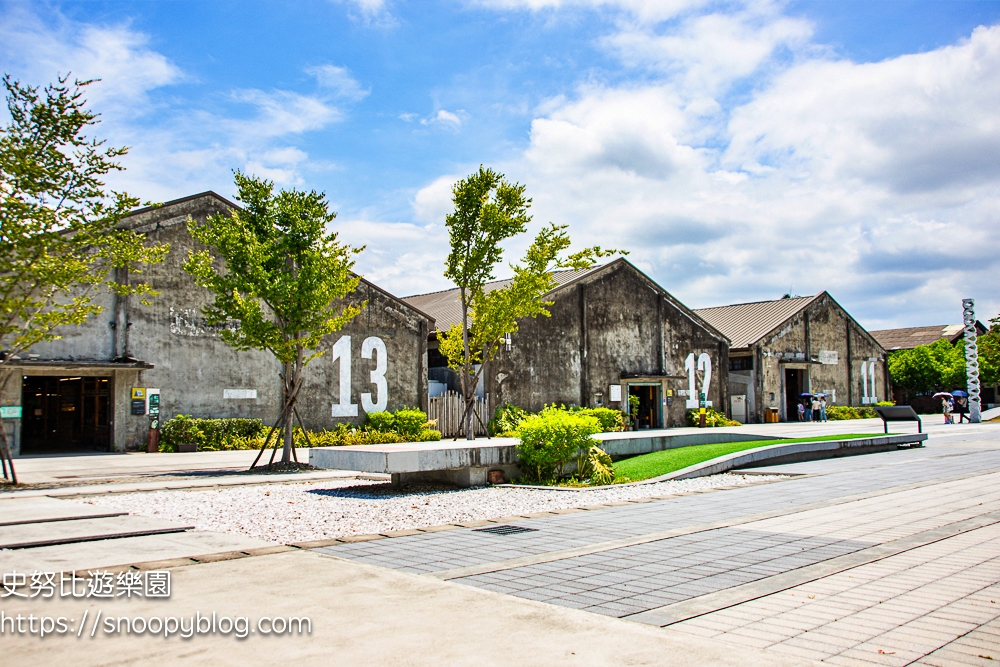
(961, 405)
(947, 405)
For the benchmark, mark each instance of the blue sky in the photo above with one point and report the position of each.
(739, 150)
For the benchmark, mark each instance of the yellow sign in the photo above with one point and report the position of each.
(138, 393)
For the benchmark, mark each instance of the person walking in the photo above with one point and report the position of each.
(946, 408)
(962, 409)
(802, 412)
(815, 409)
(822, 408)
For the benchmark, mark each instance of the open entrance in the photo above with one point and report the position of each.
(648, 415)
(63, 414)
(793, 387)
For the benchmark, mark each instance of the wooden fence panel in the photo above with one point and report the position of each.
(447, 411)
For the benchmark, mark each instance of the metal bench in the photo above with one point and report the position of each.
(898, 413)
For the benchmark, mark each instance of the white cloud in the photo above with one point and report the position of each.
(878, 181)
(644, 10)
(402, 258)
(445, 118)
(121, 58)
(339, 80)
(371, 12)
(433, 202)
(282, 112)
(175, 149)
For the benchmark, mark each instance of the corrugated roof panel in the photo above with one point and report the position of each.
(746, 323)
(446, 307)
(911, 337)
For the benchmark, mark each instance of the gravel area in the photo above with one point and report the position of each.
(299, 512)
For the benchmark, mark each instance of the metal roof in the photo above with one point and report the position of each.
(911, 337)
(746, 323)
(446, 307)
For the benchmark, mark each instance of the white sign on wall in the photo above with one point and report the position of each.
(239, 393)
(616, 393)
(828, 357)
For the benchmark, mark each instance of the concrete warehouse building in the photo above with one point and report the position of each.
(90, 389)
(613, 333)
(783, 348)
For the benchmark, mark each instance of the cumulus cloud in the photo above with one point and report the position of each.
(433, 202)
(876, 181)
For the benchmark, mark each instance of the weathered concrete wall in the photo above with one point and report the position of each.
(829, 347)
(608, 328)
(193, 368)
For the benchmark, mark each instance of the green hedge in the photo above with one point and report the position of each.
(405, 425)
(713, 418)
(841, 412)
(508, 417)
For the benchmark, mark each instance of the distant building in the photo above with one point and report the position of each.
(89, 390)
(784, 348)
(613, 333)
(911, 337)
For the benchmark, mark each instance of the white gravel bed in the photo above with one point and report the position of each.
(300, 512)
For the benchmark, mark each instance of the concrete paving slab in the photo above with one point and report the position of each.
(28, 535)
(34, 510)
(126, 551)
(362, 615)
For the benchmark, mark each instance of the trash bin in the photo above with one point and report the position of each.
(771, 415)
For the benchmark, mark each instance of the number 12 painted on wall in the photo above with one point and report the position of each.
(704, 364)
(342, 351)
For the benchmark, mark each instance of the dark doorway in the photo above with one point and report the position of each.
(793, 387)
(66, 414)
(648, 415)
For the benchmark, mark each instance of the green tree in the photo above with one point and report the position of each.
(284, 279)
(989, 353)
(60, 236)
(939, 365)
(488, 211)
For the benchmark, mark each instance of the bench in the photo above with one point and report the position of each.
(898, 413)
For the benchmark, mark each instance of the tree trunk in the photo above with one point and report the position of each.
(5, 377)
(288, 387)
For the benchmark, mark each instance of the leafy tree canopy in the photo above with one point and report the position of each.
(281, 282)
(488, 211)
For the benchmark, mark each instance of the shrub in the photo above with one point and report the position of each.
(712, 418)
(550, 439)
(429, 434)
(506, 419)
(610, 420)
(380, 421)
(209, 434)
(409, 422)
(885, 403)
(840, 412)
(597, 467)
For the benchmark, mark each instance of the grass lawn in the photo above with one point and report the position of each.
(666, 461)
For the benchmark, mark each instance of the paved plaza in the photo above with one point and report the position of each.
(882, 559)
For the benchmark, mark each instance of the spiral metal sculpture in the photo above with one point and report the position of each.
(971, 359)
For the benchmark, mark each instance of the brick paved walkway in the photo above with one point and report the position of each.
(886, 559)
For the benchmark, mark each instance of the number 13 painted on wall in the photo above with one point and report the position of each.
(704, 364)
(342, 351)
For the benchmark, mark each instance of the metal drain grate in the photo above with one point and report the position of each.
(505, 530)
